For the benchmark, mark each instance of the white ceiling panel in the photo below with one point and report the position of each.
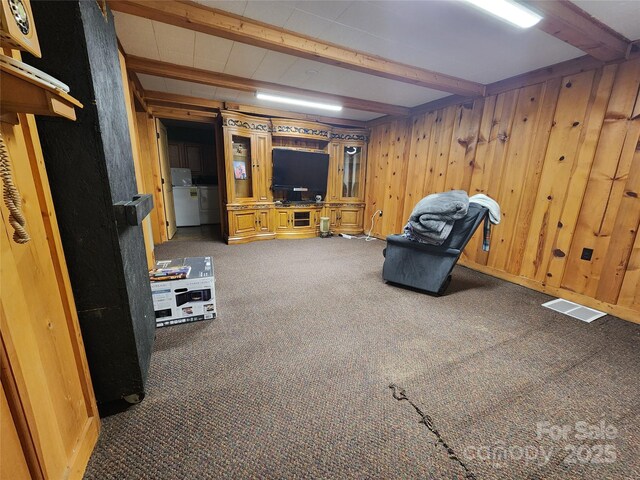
(152, 83)
(621, 15)
(308, 24)
(176, 45)
(232, 6)
(273, 66)
(272, 12)
(211, 53)
(137, 34)
(244, 60)
(330, 9)
(179, 87)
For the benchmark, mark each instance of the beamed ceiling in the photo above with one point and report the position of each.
(379, 57)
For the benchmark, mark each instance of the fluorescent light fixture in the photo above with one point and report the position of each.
(512, 12)
(295, 101)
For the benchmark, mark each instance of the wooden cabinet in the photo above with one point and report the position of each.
(247, 224)
(247, 143)
(345, 218)
(297, 221)
(347, 166)
(197, 157)
(252, 213)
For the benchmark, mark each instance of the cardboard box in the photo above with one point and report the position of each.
(183, 290)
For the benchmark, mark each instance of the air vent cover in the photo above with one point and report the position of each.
(574, 310)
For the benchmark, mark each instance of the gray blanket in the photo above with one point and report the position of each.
(432, 218)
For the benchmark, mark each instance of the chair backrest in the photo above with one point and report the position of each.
(464, 228)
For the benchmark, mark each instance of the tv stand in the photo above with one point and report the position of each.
(252, 212)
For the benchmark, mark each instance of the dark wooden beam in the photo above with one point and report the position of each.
(206, 77)
(219, 23)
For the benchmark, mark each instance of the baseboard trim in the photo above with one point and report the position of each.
(625, 313)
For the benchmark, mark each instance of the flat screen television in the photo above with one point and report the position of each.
(300, 171)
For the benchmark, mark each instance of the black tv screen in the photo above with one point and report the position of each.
(296, 170)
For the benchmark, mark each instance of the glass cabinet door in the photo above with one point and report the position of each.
(351, 171)
(242, 171)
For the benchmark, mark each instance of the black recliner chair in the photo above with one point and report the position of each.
(428, 267)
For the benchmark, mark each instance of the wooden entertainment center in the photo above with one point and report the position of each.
(256, 212)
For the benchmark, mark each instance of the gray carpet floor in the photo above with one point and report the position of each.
(292, 380)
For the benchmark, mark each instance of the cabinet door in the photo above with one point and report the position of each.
(175, 155)
(351, 172)
(351, 218)
(334, 218)
(241, 170)
(283, 220)
(193, 158)
(243, 222)
(264, 221)
(333, 183)
(262, 167)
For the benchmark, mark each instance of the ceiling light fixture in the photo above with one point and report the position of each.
(295, 101)
(512, 12)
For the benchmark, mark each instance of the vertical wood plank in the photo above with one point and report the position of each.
(623, 235)
(603, 84)
(494, 159)
(544, 124)
(443, 148)
(613, 156)
(417, 162)
(559, 164)
(514, 181)
(463, 146)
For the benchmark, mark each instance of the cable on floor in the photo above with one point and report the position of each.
(400, 394)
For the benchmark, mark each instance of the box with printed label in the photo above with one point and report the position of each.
(183, 290)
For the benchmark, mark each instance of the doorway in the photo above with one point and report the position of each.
(191, 189)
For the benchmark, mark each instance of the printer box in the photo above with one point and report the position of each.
(183, 290)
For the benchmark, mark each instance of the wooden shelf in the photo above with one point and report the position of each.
(21, 93)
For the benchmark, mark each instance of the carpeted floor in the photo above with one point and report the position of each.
(292, 380)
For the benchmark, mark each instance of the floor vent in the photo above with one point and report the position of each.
(574, 310)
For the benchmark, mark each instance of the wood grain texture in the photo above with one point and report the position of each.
(562, 159)
(43, 354)
(200, 18)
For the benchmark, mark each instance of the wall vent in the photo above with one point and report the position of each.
(574, 310)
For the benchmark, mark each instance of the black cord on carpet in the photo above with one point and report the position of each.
(400, 394)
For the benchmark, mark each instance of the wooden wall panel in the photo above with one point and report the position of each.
(561, 157)
(147, 230)
(44, 371)
(603, 191)
(560, 164)
(152, 177)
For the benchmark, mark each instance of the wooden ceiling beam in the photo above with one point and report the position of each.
(138, 91)
(172, 98)
(183, 114)
(568, 22)
(271, 112)
(219, 23)
(223, 80)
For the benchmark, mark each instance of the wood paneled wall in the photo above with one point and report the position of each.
(562, 158)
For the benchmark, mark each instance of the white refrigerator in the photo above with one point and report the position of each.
(186, 198)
